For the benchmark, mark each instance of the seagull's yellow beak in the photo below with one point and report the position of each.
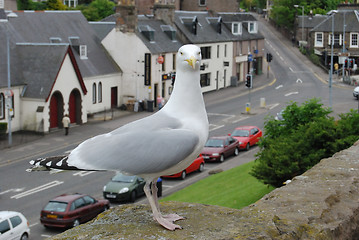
(192, 61)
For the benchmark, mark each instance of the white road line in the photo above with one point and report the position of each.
(82, 173)
(216, 127)
(46, 236)
(37, 189)
(291, 69)
(168, 186)
(12, 190)
(279, 86)
(299, 80)
(273, 106)
(34, 224)
(291, 93)
(240, 119)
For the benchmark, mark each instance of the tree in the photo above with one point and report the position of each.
(306, 135)
(97, 10)
(55, 5)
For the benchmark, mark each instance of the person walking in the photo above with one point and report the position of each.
(66, 123)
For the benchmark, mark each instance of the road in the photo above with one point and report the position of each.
(292, 78)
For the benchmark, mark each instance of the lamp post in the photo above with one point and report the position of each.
(332, 14)
(297, 6)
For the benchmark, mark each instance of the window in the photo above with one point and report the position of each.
(100, 92)
(4, 226)
(2, 106)
(354, 40)
(236, 28)
(337, 39)
(217, 51)
(206, 52)
(79, 203)
(88, 200)
(147, 69)
(205, 79)
(174, 61)
(225, 50)
(202, 2)
(94, 93)
(83, 51)
(15, 221)
(164, 63)
(318, 41)
(2, 4)
(252, 27)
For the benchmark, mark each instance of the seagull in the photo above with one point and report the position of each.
(164, 143)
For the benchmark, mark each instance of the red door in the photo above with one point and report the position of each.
(72, 107)
(113, 97)
(53, 112)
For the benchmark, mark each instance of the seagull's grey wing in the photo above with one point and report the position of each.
(146, 146)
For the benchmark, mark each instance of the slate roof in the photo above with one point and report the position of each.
(163, 41)
(351, 22)
(310, 21)
(206, 27)
(243, 17)
(38, 27)
(102, 28)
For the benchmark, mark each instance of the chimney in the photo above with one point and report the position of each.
(164, 10)
(127, 15)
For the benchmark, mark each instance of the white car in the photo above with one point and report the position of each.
(356, 92)
(13, 226)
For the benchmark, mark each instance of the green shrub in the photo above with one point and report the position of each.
(3, 126)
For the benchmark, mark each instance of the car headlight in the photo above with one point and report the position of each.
(215, 154)
(240, 143)
(124, 190)
(104, 188)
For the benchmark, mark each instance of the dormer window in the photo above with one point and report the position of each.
(148, 32)
(54, 39)
(190, 23)
(169, 31)
(236, 28)
(216, 23)
(252, 27)
(83, 51)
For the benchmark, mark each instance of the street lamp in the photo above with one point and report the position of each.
(297, 6)
(331, 14)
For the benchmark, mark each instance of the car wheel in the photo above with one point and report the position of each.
(247, 147)
(183, 175)
(221, 159)
(24, 237)
(201, 167)
(133, 196)
(76, 223)
(236, 151)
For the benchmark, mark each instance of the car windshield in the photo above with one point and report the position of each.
(54, 206)
(123, 178)
(240, 133)
(214, 143)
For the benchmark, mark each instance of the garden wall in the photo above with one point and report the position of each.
(323, 203)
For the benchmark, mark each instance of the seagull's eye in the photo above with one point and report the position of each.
(199, 53)
(181, 53)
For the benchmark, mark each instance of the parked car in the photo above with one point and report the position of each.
(356, 92)
(70, 210)
(127, 188)
(218, 148)
(247, 136)
(197, 165)
(13, 225)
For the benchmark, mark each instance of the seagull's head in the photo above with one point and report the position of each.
(190, 56)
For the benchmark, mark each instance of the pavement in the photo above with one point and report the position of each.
(26, 144)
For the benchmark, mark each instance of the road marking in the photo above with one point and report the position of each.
(273, 106)
(37, 189)
(82, 173)
(12, 190)
(291, 93)
(240, 119)
(167, 186)
(291, 69)
(280, 86)
(46, 236)
(215, 127)
(34, 224)
(299, 80)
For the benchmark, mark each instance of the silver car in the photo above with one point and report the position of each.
(356, 93)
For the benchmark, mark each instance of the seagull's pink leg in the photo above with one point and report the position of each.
(170, 217)
(155, 210)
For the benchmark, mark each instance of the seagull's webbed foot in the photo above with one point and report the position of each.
(167, 220)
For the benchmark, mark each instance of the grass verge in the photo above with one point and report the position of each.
(234, 188)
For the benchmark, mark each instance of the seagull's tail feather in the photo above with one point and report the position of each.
(48, 163)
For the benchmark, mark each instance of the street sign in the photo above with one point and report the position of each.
(250, 57)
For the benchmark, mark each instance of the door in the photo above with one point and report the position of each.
(113, 97)
(75, 107)
(56, 110)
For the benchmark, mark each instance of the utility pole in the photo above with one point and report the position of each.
(9, 95)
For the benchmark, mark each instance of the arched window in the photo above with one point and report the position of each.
(2, 106)
(94, 93)
(100, 92)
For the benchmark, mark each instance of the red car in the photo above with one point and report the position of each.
(218, 148)
(71, 210)
(247, 136)
(197, 165)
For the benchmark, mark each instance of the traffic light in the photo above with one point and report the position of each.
(269, 57)
(346, 63)
(351, 62)
(249, 81)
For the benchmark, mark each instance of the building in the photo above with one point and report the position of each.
(57, 66)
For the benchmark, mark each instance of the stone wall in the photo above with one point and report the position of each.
(323, 203)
